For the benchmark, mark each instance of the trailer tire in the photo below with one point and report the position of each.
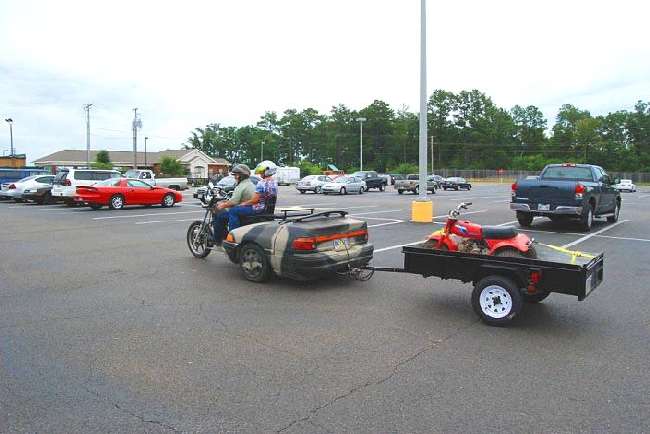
(496, 300)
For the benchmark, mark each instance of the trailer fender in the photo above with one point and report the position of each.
(520, 242)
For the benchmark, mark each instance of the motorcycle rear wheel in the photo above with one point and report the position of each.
(197, 239)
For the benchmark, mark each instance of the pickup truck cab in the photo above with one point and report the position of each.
(562, 191)
(372, 180)
(412, 184)
(150, 178)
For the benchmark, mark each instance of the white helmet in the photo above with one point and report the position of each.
(266, 168)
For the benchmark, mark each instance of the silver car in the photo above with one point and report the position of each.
(312, 183)
(15, 190)
(344, 185)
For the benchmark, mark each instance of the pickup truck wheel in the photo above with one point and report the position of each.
(168, 200)
(525, 219)
(302, 191)
(254, 264)
(116, 202)
(496, 300)
(416, 190)
(381, 187)
(587, 218)
(400, 191)
(617, 210)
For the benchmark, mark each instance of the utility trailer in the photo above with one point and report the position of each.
(502, 284)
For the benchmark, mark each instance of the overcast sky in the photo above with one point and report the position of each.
(186, 64)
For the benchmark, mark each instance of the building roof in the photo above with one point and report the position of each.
(72, 157)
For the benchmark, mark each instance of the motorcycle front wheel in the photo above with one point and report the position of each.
(197, 239)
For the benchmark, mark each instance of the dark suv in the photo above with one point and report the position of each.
(372, 180)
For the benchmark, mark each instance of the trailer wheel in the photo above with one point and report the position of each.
(496, 300)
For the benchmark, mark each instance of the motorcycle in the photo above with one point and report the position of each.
(467, 237)
(201, 232)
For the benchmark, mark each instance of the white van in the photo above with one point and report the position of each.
(287, 175)
(67, 181)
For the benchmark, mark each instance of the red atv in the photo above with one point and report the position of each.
(467, 237)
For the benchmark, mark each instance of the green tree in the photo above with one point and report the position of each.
(102, 161)
(170, 166)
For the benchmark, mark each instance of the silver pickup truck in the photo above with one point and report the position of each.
(412, 184)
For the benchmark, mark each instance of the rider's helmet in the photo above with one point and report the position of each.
(242, 170)
(266, 168)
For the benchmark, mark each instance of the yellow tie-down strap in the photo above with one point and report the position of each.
(574, 253)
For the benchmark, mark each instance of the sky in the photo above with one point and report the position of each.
(187, 64)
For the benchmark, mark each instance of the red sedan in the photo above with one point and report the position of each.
(119, 192)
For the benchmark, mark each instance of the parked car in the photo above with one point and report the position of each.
(412, 184)
(456, 183)
(437, 179)
(344, 185)
(312, 183)
(580, 191)
(66, 182)
(372, 180)
(149, 177)
(16, 190)
(119, 192)
(626, 185)
(8, 175)
(226, 184)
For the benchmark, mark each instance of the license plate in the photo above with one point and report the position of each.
(543, 207)
(341, 244)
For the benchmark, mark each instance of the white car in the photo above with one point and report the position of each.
(312, 183)
(626, 185)
(345, 185)
(15, 190)
(67, 181)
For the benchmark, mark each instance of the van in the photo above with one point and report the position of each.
(67, 181)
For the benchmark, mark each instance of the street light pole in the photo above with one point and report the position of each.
(361, 121)
(87, 108)
(136, 124)
(11, 135)
(262, 152)
(423, 100)
(145, 151)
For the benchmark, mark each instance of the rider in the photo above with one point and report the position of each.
(266, 189)
(244, 191)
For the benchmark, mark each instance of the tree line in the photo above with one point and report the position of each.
(466, 131)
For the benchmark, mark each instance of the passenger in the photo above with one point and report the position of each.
(265, 190)
(244, 191)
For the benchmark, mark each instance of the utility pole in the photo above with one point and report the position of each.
(423, 101)
(262, 152)
(87, 108)
(145, 151)
(11, 135)
(136, 124)
(433, 160)
(361, 121)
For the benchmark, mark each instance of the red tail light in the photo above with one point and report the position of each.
(67, 182)
(12, 186)
(580, 188)
(514, 187)
(310, 243)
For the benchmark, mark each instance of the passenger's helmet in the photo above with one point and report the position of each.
(241, 170)
(266, 168)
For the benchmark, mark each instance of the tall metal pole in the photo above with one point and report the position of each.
(262, 152)
(11, 137)
(135, 138)
(87, 108)
(432, 155)
(361, 121)
(423, 100)
(145, 151)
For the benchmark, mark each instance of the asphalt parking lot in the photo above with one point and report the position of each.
(108, 324)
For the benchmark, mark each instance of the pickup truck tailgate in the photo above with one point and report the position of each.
(546, 191)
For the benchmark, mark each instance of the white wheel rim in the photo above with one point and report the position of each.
(590, 218)
(495, 302)
(169, 200)
(117, 202)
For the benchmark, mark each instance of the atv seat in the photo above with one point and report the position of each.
(265, 216)
(499, 232)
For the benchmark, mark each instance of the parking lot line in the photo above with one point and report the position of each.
(146, 215)
(623, 238)
(586, 237)
(375, 212)
(397, 246)
(146, 223)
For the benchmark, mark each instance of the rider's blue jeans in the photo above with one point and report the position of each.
(219, 223)
(235, 213)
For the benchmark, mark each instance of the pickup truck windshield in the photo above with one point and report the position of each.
(568, 172)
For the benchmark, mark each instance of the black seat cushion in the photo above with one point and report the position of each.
(499, 232)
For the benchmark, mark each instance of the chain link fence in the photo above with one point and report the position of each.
(509, 176)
